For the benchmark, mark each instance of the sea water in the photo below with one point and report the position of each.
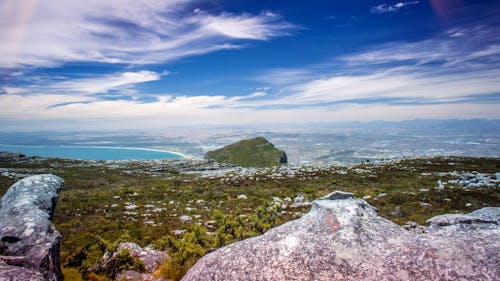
(90, 152)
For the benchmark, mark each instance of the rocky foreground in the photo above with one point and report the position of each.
(343, 238)
(29, 247)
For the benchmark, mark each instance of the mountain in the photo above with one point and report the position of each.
(256, 152)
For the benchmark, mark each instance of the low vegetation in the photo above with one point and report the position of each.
(189, 215)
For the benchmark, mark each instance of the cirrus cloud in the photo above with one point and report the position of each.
(105, 83)
(386, 8)
(50, 33)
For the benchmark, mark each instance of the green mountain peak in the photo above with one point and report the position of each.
(256, 152)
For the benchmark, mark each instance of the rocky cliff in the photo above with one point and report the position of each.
(29, 246)
(343, 238)
(256, 152)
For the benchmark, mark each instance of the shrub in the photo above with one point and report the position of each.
(71, 274)
(95, 277)
(76, 258)
(308, 189)
(184, 252)
(120, 262)
(90, 263)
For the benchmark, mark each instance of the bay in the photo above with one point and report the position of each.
(91, 152)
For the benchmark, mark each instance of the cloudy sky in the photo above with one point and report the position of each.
(145, 64)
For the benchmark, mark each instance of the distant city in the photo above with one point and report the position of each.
(315, 144)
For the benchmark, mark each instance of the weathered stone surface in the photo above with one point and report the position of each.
(29, 244)
(343, 238)
(151, 258)
(14, 273)
(129, 275)
(415, 227)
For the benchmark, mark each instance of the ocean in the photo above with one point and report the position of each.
(91, 152)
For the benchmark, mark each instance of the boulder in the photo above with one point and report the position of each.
(12, 273)
(151, 258)
(29, 243)
(343, 238)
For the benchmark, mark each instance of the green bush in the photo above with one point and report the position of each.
(120, 262)
(184, 252)
(91, 265)
(308, 189)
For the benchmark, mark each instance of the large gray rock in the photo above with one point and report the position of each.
(29, 247)
(343, 238)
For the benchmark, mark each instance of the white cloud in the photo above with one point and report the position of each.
(14, 90)
(284, 76)
(104, 115)
(245, 26)
(402, 83)
(394, 93)
(460, 51)
(35, 106)
(443, 69)
(443, 77)
(386, 8)
(105, 83)
(258, 94)
(48, 33)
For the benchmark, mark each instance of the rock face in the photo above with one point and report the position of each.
(256, 152)
(343, 238)
(29, 247)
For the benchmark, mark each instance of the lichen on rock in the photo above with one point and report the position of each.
(29, 247)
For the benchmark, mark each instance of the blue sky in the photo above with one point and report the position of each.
(111, 65)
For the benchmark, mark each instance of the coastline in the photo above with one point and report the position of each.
(181, 155)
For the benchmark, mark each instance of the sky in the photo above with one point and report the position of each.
(151, 65)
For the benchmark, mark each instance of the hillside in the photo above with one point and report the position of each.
(188, 213)
(256, 152)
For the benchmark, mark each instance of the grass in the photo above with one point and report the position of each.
(94, 200)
